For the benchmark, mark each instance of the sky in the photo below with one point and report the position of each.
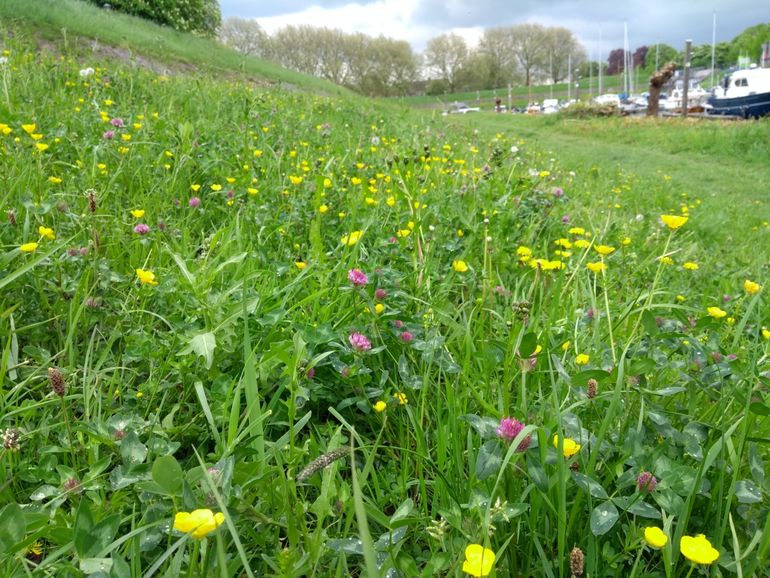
(416, 21)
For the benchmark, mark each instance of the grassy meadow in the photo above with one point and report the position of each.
(248, 331)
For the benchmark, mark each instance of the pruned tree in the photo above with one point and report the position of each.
(657, 82)
(244, 36)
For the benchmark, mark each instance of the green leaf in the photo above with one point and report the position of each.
(485, 426)
(590, 486)
(12, 527)
(637, 507)
(528, 345)
(84, 526)
(748, 492)
(202, 345)
(95, 565)
(403, 511)
(581, 379)
(603, 518)
(168, 474)
(132, 450)
(489, 459)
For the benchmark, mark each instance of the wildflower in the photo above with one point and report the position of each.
(199, 523)
(524, 254)
(673, 222)
(41, 146)
(322, 462)
(379, 308)
(751, 287)
(357, 277)
(72, 485)
(401, 398)
(141, 229)
(626, 241)
(570, 447)
(460, 266)
(216, 187)
(117, 123)
(54, 180)
(716, 312)
(581, 359)
(46, 232)
(28, 247)
(56, 381)
(666, 260)
(300, 265)
(108, 134)
(380, 293)
(137, 213)
(577, 231)
(380, 406)
(766, 334)
(407, 336)
(359, 342)
(146, 277)
(351, 238)
(508, 430)
(581, 244)
(194, 202)
(576, 562)
(11, 437)
(604, 250)
(646, 482)
(478, 560)
(591, 388)
(655, 537)
(460, 233)
(698, 549)
(690, 266)
(565, 345)
(323, 209)
(596, 267)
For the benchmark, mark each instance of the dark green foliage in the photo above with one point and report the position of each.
(201, 16)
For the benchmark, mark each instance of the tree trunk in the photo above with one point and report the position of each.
(657, 82)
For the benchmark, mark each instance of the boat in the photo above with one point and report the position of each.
(744, 93)
(696, 98)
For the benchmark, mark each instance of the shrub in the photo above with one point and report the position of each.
(199, 16)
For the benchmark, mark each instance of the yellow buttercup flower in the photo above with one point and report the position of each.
(137, 213)
(766, 334)
(199, 523)
(28, 247)
(41, 146)
(673, 222)
(581, 359)
(690, 266)
(751, 287)
(401, 398)
(716, 312)
(655, 537)
(570, 446)
(459, 266)
(29, 128)
(596, 267)
(478, 560)
(581, 244)
(379, 308)
(604, 250)
(698, 549)
(300, 265)
(46, 232)
(380, 406)
(146, 277)
(351, 238)
(216, 187)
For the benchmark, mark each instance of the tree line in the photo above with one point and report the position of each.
(522, 54)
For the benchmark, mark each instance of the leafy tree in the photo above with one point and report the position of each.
(616, 61)
(561, 47)
(658, 55)
(244, 36)
(529, 48)
(446, 56)
(497, 50)
(750, 42)
(639, 57)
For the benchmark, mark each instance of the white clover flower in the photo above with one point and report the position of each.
(86, 72)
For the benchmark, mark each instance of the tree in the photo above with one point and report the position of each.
(198, 16)
(446, 56)
(561, 47)
(496, 48)
(529, 47)
(658, 55)
(616, 61)
(749, 42)
(244, 36)
(639, 58)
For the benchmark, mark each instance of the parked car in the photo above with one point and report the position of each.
(460, 108)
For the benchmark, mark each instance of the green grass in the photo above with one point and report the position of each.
(187, 334)
(76, 22)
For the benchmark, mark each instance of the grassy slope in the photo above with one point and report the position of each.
(723, 164)
(66, 20)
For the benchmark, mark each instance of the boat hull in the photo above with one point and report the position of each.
(752, 106)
